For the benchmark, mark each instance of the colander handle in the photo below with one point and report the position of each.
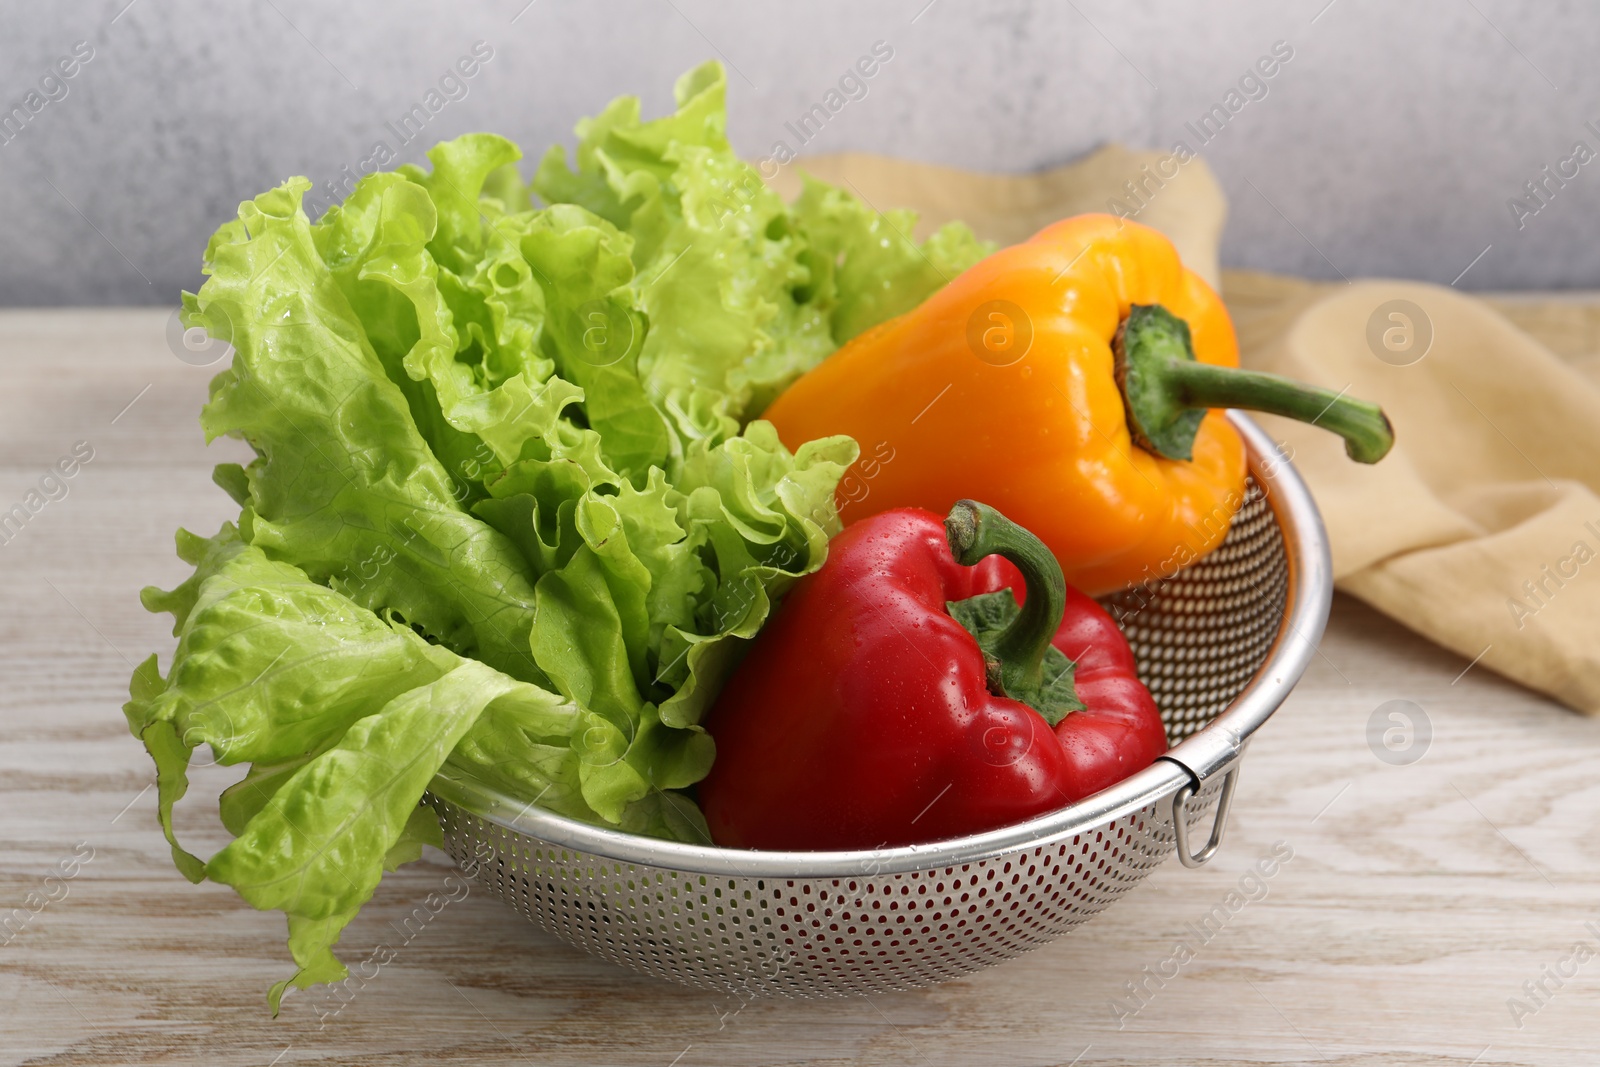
(1180, 825)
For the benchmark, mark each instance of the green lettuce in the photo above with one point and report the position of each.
(743, 293)
(512, 512)
(864, 268)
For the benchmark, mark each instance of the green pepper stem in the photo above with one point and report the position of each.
(1367, 434)
(977, 530)
(1166, 392)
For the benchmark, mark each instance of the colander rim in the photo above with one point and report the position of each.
(1210, 750)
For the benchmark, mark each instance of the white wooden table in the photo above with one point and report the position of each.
(1418, 902)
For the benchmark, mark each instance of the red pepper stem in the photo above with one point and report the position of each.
(976, 530)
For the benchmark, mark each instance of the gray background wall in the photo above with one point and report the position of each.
(1389, 144)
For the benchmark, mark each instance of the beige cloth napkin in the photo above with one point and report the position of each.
(1481, 530)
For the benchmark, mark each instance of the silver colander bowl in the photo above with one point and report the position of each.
(1220, 645)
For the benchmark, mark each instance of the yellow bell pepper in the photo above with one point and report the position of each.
(1070, 381)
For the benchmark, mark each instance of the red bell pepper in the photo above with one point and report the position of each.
(901, 694)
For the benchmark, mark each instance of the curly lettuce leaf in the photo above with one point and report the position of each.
(270, 668)
(368, 243)
(718, 266)
(316, 850)
(766, 517)
(582, 266)
(345, 719)
(865, 268)
(343, 479)
(641, 624)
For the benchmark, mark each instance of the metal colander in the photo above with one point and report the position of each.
(1220, 645)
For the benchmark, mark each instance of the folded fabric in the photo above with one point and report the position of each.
(1478, 529)
(1481, 530)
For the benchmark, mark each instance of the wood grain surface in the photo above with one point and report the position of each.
(1419, 900)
